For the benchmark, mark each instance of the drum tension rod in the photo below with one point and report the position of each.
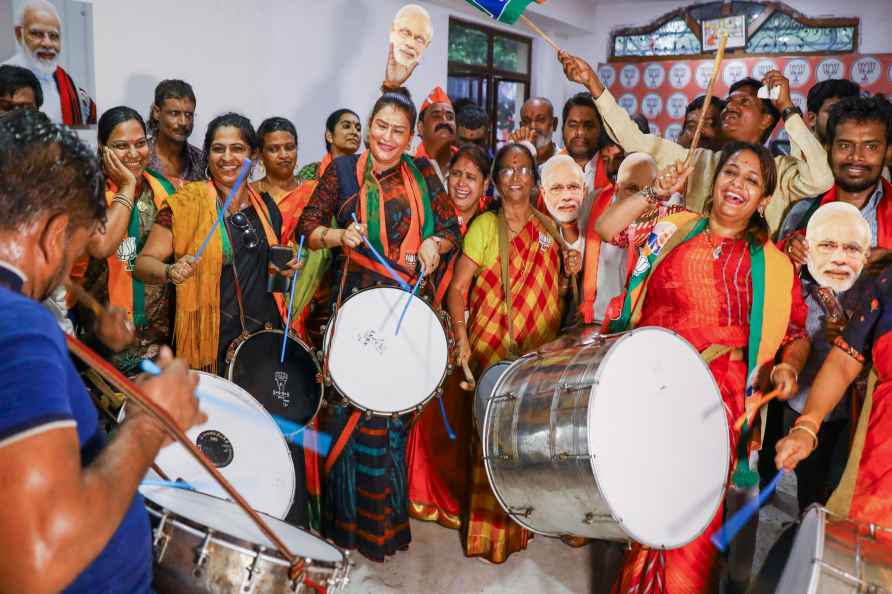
(161, 537)
(523, 512)
(564, 456)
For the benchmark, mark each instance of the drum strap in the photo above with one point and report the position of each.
(342, 440)
(504, 254)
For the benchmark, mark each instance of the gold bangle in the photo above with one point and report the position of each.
(325, 231)
(781, 366)
(814, 435)
(459, 322)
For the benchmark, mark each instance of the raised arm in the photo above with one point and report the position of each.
(457, 303)
(617, 123)
(616, 222)
(102, 245)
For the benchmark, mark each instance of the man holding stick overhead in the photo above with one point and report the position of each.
(745, 118)
(71, 518)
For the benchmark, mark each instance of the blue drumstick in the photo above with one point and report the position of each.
(383, 262)
(449, 430)
(399, 322)
(291, 431)
(180, 484)
(246, 166)
(722, 537)
(300, 250)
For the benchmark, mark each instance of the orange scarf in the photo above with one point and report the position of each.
(197, 320)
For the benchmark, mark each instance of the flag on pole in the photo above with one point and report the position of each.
(504, 11)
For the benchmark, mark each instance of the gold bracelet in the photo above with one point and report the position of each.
(781, 366)
(325, 231)
(814, 435)
(459, 322)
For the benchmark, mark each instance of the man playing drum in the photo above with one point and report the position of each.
(71, 517)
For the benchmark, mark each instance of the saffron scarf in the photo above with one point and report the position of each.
(372, 210)
(197, 321)
(125, 290)
(772, 282)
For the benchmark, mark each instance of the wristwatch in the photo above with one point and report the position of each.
(788, 113)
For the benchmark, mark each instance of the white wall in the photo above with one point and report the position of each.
(296, 58)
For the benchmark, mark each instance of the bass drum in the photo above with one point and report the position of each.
(243, 442)
(485, 387)
(291, 390)
(624, 437)
(378, 370)
(205, 545)
(833, 555)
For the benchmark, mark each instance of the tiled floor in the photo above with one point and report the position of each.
(435, 564)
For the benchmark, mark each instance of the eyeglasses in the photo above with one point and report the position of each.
(408, 35)
(851, 250)
(508, 172)
(249, 235)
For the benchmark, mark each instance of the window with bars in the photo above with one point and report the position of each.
(490, 67)
(771, 28)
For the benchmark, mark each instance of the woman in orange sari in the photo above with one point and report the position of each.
(438, 463)
(536, 284)
(722, 285)
(135, 194)
(865, 491)
(278, 153)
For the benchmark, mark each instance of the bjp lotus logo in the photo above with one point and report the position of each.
(126, 253)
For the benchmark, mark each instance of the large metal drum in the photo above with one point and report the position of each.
(833, 555)
(622, 438)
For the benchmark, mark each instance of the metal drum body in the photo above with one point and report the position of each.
(243, 442)
(485, 387)
(377, 370)
(833, 555)
(291, 390)
(205, 545)
(621, 438)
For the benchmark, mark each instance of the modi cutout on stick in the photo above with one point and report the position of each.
(410, 34)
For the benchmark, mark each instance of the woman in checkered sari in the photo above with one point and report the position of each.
(536, 285)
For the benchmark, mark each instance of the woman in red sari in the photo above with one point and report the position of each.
(865, 492)
(722, 285)
(438, 464)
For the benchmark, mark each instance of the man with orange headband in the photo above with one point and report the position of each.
(436, 127)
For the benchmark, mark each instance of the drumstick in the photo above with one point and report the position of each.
(748, 415)
(715, 71)
(399, 322)
(722, 537)
(403, 284)
(85, 297)
(540, 32)
(246, 166)
(291, 303)
(471, 384)
(117, 380)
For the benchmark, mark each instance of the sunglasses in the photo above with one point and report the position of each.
(243, 225)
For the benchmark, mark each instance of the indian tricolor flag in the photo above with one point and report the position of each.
(505, 11)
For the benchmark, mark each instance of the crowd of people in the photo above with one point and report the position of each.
(579, 221)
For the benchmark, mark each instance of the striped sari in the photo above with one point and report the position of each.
(533, 269)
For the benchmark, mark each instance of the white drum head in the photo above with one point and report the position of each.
(245, 444)
(378, 370)
(228, 518)
(659, 436)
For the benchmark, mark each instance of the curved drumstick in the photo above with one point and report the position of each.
(118, 381)
(749, 414)
(470, 384)
(719, 55)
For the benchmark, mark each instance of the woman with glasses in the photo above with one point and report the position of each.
(402, 210)
(224, 294)
(134, 194)
(536, 285)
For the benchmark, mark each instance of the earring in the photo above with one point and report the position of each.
(207, 172)
(762, 210)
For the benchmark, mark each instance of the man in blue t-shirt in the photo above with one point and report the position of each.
(71, 518)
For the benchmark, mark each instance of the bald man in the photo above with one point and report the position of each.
(605, 266)
(537, 125)
(38, 35)
(410, 34)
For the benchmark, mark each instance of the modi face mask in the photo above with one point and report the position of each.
(410, 34)
(838, 245)
(563, 189)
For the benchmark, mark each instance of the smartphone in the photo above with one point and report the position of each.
(279, 256)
